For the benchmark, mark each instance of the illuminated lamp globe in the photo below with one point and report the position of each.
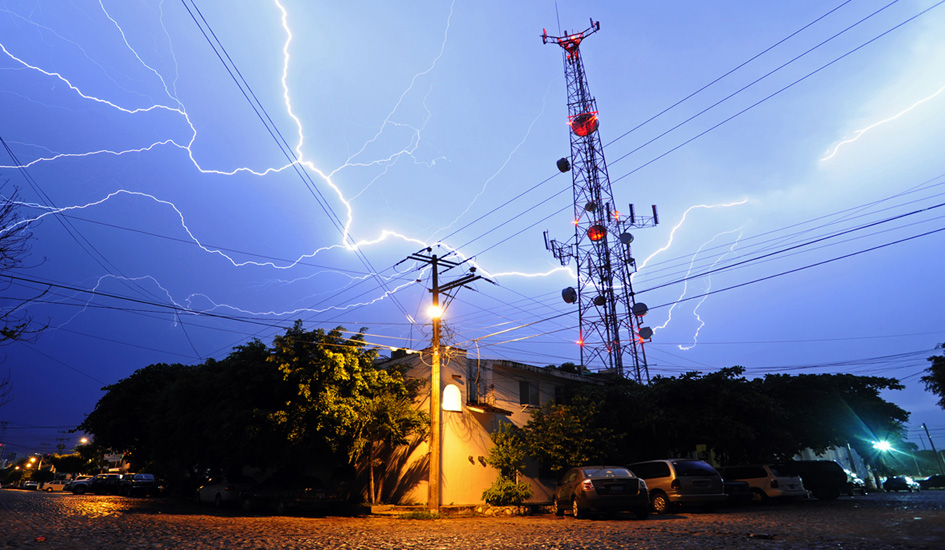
(584, 124)
(435, 312)
(569, 295)
(563, 164)
(646, 333)
(596, 232)
(626, 238)
(639, 309)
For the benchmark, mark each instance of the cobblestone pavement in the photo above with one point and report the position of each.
(65, 521)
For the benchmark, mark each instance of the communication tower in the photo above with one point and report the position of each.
(611, 320)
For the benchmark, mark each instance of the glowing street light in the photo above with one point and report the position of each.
(883, 446)
(435, 311)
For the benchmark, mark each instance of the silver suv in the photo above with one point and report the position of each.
(79, 485)
(680, 482)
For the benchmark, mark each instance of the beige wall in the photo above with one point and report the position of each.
(465, 434)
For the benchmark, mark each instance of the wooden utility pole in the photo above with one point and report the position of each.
(436, 451)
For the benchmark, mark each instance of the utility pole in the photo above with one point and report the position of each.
(436, 452)
(938, 459)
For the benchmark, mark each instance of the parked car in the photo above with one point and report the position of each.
(738, 492)
(31, 485)
(855, 484)
(932, 482)
(289, 494)
(900, 483)
(680, 482)
(105, 484)
(54, 485)
(79, 485)
(139, 484)
(767, 481)
(223, 490)
(600, 489)
(825, 479)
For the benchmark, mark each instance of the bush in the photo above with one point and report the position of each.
(506, 492)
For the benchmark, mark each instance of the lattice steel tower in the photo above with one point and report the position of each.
(610, 318)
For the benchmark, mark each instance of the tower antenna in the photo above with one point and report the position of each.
(610, 318)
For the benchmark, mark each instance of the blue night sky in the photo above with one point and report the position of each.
(195, 174)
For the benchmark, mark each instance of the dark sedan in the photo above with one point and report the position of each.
(932, 482)
(305, 495)
(605, 489)
(139, 484)
(900, 483)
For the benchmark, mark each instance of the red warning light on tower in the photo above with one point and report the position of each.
(584, 124)
(596, 232)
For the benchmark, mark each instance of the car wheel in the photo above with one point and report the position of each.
(555, 508)
(280, 507)
(79, 490)
(576, 509)
(660, 503)
(49, 489)
(218, 501)
(246, 504)
(758, 496)
(642, 514)
(197, 500)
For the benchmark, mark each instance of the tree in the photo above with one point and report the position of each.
(935, 379)
(833, 410)
(15, 323)
(343, 407)
(508, 456)
(387, 418)
(559, 436)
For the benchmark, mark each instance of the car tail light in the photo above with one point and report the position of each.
(775, 484)
(675, 484)
(587, 485)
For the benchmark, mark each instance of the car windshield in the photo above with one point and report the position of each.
(694, 468)
(607, 472)
(781, 471)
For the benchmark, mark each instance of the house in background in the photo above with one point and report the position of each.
(477, 395)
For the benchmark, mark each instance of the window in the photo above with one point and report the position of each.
(528, 393)
(559, 395)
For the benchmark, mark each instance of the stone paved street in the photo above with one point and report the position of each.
(65, 521)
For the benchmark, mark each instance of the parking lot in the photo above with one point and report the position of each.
(30, 519)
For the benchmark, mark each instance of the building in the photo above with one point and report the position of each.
(477, 396)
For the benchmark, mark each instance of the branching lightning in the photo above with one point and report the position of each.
(178, 109)
(708, 284)
(672, 233)
(859, 133)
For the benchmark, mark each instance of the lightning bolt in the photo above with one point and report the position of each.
(177, 109)
(682, 220)
(53, 211)
(859, 133)
(692, 262)
(708, 286)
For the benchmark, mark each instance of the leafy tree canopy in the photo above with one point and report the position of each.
(934, 380)
(314, 397)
